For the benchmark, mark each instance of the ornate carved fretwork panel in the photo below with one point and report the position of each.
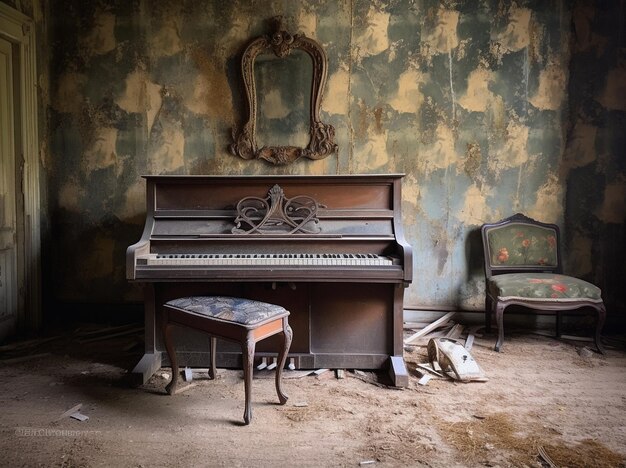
(277, 214)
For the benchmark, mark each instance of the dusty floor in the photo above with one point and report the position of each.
(541, 394)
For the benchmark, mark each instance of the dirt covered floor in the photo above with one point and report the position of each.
(542, 396)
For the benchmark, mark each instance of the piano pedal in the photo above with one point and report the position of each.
(273, 364)
(263, 364)
(292, 364)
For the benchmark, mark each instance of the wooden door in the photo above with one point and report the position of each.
(8, 224)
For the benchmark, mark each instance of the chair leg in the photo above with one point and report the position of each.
(247, 349)
(488, 306)
(171, 353)
(599, 324)
(282, 359)
(500, 321)
(212, 367)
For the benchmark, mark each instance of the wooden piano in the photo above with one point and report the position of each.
(330, 249)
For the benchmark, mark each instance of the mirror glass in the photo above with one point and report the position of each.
(283, 90)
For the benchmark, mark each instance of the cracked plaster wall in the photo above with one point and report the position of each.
(489, 107)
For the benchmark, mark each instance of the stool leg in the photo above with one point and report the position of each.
(212, 368)
(247, 350)
(282, 359)
(171, 352)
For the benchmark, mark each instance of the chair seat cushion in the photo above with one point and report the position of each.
(542, 286)
(229, 309)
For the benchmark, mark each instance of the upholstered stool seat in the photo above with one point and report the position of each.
(241, 320)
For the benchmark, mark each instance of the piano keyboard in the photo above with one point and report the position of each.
(268, 259)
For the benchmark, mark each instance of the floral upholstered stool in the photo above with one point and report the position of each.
(523, 268)
(241, 320)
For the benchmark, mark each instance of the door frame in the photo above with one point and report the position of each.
(19, 29)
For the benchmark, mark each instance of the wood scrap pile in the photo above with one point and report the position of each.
(455, 338)
(444, 327)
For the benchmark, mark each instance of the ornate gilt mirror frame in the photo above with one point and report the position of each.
(321, 136)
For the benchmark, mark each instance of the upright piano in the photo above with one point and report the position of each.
(330, 249)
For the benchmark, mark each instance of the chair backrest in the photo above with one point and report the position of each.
(521, 244)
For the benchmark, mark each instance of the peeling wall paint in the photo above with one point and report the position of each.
(593, 176)
(489, 108)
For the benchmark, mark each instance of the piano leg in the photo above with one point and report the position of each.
(146, 367)
(398, 372)
(397, 367)
(151, 360)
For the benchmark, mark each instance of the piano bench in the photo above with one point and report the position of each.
(244, 321)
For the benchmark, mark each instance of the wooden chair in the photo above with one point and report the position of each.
(523, 268)
(241, 320)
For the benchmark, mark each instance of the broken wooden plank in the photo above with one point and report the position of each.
(474, 330)
(433, 326)
(70, 411)
(545, 457)
(79, 416)
(365, 377)
(415, 325)
(455, 331)
(423, 340)
(425, 379)
(185, 388)
(469, 342)
(427, 367)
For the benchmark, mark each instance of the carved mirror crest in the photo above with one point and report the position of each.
(321, 136)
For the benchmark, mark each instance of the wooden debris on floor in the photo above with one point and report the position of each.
(424, 379)
(69, 412)
(443, 327)
(427, 367)
(439, 323)
(454, 360)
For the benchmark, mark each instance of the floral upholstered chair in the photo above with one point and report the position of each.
(523, 268)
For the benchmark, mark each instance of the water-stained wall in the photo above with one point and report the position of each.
(489, 107)
(593, 169)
